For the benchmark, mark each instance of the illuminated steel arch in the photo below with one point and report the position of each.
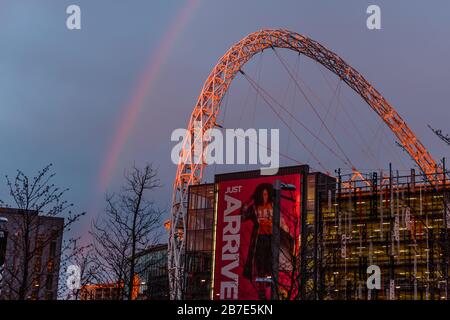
(208, 106)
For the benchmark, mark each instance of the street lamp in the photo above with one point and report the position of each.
(287, 186)
(276, 219)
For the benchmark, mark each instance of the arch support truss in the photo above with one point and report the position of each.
(207, 109)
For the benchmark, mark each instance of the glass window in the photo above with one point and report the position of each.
(50, 265)
(49, 295)
(199, 220)
(208, 241)
(192, 200)
(208, 219)
(198, 240)
(49, 283)
(191, 220)
(37, 265)
(52, 251)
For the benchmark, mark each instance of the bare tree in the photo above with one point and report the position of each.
(110, 247)
(83, 258)
(132, 224)
(286, 282)
(36, 199)
(440, 135)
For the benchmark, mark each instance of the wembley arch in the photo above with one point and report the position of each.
(207, 108)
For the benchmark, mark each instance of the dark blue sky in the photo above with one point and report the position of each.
(63, 93)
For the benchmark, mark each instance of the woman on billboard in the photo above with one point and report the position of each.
(259, 210)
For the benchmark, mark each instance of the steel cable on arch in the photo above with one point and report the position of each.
(207, 108)
(336, 96)
(293, 102)
(313, 108)
(367, 126)
(264, 94)
(261, 92)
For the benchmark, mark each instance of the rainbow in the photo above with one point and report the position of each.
(143, 88)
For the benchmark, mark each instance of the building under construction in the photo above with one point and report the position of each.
(397, 223)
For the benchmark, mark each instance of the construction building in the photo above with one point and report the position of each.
(396, 224)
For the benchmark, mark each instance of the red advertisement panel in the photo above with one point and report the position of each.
(243, 260)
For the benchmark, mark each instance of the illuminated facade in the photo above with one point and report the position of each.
(150, 280)
(397, 223)
(108, 291)
(101, 292)
(203, 235)
(199, 242)
(208, 107)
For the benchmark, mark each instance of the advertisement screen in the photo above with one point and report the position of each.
(243, 257)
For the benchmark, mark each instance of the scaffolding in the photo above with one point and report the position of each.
(397, 223)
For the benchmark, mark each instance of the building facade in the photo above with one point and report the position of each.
(199, 242)
(101, 292)
(392, 225)
(33, 255)
(151, 270)
(396, 224)
(150, 281)
(206, 207)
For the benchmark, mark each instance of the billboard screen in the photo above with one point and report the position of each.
(243, 255)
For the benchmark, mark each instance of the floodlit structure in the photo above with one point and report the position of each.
(398, 223)
(207, 108)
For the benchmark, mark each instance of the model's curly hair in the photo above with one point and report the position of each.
(258, 194)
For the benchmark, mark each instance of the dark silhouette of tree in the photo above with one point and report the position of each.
(36, 198)
(440, 135)
(131, 224)
(82, 257)
(287, 282)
